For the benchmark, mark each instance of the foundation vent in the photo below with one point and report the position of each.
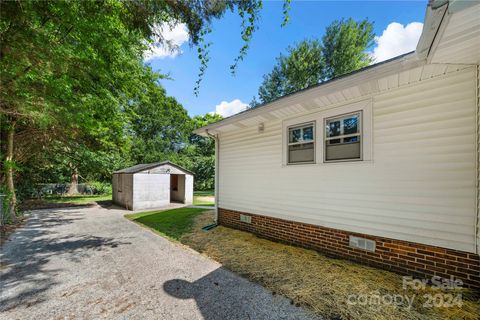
(362, 243)
(246, 219)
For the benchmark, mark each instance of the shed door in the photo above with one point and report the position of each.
(177, 188)
(173, 182)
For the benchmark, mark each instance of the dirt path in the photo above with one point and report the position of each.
(92, 263)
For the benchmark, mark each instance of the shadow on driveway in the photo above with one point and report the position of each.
(219, 296)
(24, 256)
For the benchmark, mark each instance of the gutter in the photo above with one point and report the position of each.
(217, 171)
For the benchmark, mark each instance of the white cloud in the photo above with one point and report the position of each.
(173, 37)
(227, 109)
(397, 39)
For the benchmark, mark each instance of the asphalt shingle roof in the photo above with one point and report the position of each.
(148, 166)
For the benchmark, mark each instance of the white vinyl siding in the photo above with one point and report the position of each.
(418, 184)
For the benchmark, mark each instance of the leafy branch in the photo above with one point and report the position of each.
(250, 16)
(286, 10)
(203, 56)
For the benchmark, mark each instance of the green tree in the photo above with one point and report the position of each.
(302, 67)
(73, 70)
(342, 50)
(60, 77)
(344, 46)
(159, 127)
(199, 156)
(203, 145)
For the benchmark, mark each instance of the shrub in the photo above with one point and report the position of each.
(98, 187)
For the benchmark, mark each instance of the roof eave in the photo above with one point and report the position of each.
(434, 16)
(405, 61)
(150, 166)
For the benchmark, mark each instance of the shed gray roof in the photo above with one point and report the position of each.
(148, 166)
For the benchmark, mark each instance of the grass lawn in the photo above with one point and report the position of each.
(307, 277)
(204, 198)
(80, 199)
(173, 223)
(63, 201)
(208, 193)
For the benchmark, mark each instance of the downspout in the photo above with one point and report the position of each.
(217, 171)
(477, 164)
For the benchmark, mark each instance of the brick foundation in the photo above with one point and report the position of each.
(403, 257)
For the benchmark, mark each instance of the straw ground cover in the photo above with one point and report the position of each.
(322, 284)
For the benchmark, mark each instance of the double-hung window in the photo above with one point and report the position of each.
(301, 143)
(343, 136)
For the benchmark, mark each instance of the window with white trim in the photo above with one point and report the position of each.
(301, 143)
(343, 137)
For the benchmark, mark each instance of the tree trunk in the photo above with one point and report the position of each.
(9, 164)
(73, 188)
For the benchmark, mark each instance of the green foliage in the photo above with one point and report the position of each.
(199, 155)
(100, 188)
(4, 202)
(171, 223)
(203, 145)
(249, 12)
(69, 71)
(344, 46)
(204, 57)
(342, 50)
(302, 67)
(80, 100)
(286, 10)
(159, 128)
(204, 169)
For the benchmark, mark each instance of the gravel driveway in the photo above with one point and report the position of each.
(91, 262)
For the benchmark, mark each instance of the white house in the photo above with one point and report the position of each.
(380, 166)
(152, 185)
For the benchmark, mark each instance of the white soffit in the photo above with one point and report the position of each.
(253, 120)
(288, 111)
(311, 102)
(229, 127)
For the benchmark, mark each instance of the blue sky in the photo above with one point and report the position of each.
(308, 19)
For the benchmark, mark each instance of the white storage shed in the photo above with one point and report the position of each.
(152, 185)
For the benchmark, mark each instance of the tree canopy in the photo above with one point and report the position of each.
(77, 100)
(344, 46)
(75, 92)
(343, 49)
(199, 156)
(303, 66)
